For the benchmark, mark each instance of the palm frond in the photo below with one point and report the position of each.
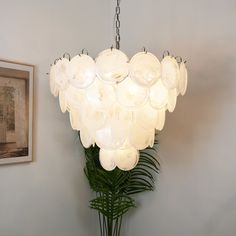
(115, 189)
(112, 205)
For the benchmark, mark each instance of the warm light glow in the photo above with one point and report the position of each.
(126, 159)
(106, 158)
(170, 72)
(117, 104)
(145, 69)
(131, 95)
(81, 71)
(112, 65)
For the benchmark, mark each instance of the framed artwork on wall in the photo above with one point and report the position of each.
(16, 112)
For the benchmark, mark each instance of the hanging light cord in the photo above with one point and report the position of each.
(117, 24)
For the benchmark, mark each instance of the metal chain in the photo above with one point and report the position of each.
(117, 24)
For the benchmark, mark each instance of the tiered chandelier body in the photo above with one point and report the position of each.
(117, 103)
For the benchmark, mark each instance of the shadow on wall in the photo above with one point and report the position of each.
(200, 111)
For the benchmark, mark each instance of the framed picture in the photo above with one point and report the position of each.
(16, 112)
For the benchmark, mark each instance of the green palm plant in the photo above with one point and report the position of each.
(115, 189)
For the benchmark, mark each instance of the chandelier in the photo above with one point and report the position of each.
(117, 103)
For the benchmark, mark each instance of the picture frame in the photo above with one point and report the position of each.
(16, 112)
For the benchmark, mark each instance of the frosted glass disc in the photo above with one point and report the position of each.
(74, 97)
(145, 69)
(119, 120)
(183, 79)
(100, 94)
(151, 141)
(172, 99)
(86, 138)
(161, 116)
(82, 71)
(106, 158)
(158, 95)
(53, 88)
(110, 137)
(131, 95)
(93, 119)
(120, 114)
(62, 101)
(126, 144)
(146, 117)
(170, 72)
(139, 137)
(62, 73)
(112, 65)
(126, 159)
(75, 119)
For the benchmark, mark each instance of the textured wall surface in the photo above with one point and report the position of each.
(49, 196)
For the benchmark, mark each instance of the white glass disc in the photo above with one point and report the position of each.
(145, 69)
(161, 114)
(183, 79)
(100, 94)
(53, 88)
(106, 158)
(126, 159)
(158, 95)
(75, 119)
(146, 116)
(82, 71)
(86, 137)
(109, 137)
(62, 101)
(139, 137)
(131, 95)
(93, 118)
(112, 65)
(74, 97)
(62, 73)
(170, 72)
(172, 99)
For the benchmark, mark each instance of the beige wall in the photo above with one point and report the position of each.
(196, 193)
(49, 196)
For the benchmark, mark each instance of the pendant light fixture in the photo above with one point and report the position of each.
(117, 103)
